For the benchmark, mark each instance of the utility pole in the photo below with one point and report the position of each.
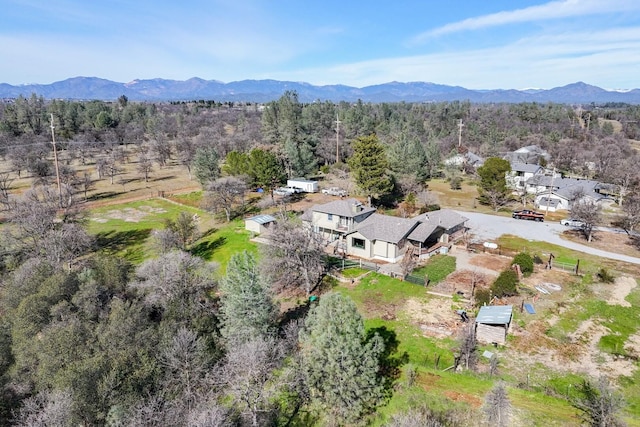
(55, 161)
(460, 125)
(553, 175)
(337, 138)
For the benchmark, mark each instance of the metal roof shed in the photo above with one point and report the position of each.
(259, 223)
(492, 323)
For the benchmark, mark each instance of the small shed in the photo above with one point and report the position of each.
(492, 323)
(306, 185)
(259, 223)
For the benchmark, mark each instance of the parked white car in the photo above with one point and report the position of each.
(334, 191)
(571, 222)
(283, 191)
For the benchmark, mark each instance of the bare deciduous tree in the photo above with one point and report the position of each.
(599, 404)
(587, 211)
(295, 258)
(468, 347)
(248, 377)
(47, 408)
(224, 193)
(497, 406)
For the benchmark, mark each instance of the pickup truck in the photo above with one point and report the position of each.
(334, 191)
(527, 214)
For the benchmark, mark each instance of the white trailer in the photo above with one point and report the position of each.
(306, 185)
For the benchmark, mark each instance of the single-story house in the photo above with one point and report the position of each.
(492, 323)
(259, 224)
(558, 193)
(464, 159)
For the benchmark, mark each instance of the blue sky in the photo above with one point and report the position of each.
(477, 44)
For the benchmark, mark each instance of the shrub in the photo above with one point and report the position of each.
(456, 183)
(505, 284)
(525, 261)
(482, 297)
(604, 276)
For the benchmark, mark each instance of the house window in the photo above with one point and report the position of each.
(357, 243)
(330, 217)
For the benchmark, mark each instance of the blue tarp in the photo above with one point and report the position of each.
(529, 308)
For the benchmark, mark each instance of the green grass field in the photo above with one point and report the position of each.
(126, 230)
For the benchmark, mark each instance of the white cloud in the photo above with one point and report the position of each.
(548, 11)
(606, 58)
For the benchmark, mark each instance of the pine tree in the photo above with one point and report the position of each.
(369, 166)
(247, 308)
(340, 364)
(493, 182)
(205, 165)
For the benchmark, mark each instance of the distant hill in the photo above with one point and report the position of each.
(89, 88)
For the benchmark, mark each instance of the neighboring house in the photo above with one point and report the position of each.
(259, 224)
(529, 154)
(492, 323)
(554, 194)
(520, 174)
(361, 232)
(464, 159)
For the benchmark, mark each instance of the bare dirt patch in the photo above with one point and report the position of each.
(620, 243)
(436, 317)
(622, 286)
(492, 262)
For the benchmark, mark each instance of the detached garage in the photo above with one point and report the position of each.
(259, 224)
(492, 324)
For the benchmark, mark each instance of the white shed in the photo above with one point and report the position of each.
(259, 223)
(306, 185)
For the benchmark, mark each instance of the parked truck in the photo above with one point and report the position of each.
(528, 214)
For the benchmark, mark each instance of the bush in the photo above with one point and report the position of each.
(525, 261)
(604, 276)
(505, 284)
(482, 297)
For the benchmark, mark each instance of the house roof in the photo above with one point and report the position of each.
(566, 187)
(495, 314)
(349, 208)
(393, 229)
(552, 202)
(386, 228)
(445, 218)
(262, 219)
(526, 167)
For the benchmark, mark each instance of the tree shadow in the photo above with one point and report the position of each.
(103, 195)
(294, 313)
(634, 241)
(116, 241)
(205, 250)
(390, 360)
(162, 178)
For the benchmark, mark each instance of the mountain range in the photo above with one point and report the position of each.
(93, 88)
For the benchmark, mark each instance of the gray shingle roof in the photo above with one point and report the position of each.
(386, 228)
(348, 208)
(526, 167)
(566, 187)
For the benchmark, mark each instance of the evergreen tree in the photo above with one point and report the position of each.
(246, 306)
(408, 157)
(369, 166)
(205, 165)
(341, 365)
(493, 182)
(265, 169)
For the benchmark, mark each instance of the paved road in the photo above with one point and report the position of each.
(489, 227)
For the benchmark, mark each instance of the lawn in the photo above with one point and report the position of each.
(126, 230)
(437, 268)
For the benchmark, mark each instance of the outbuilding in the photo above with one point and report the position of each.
(492, 323)
(306, 185)
(259, 224)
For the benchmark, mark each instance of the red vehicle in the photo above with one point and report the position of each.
(527, 214)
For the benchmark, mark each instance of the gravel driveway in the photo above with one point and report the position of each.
(489, 227)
